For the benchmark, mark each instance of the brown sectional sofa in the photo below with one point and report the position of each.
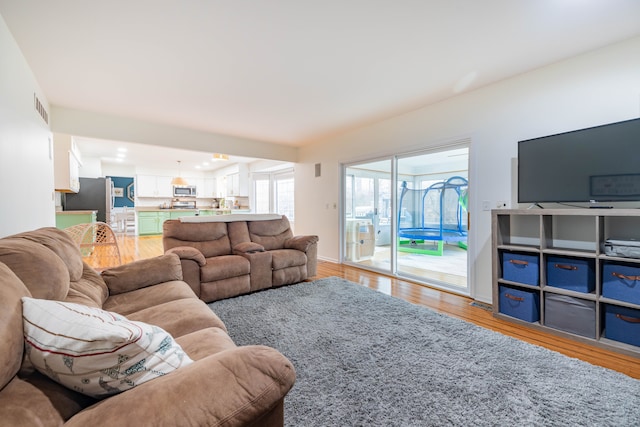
(228, 255)
(225, 385)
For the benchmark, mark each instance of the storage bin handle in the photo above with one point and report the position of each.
(566, 267)
(518, 262)
(623, 277)
(515, 298)
(628, 319)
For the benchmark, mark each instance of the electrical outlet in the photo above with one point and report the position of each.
(501, 204)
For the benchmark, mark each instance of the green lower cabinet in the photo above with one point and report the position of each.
(65, 220)
(147, 223)
(179, 214)
(151, 222)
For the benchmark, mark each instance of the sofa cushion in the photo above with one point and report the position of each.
(60, 243)
(24, 404)
(270, 234)
(224, 267)
(179, 317)
(284, 258)
(205, 342)
(137, 300)
(96, 352)
(11, 291)
(41, 270)
(143, 273)
(89, 290)
(209, 238)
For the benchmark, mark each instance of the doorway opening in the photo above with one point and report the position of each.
(407, 216)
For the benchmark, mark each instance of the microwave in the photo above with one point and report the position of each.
(184, 191)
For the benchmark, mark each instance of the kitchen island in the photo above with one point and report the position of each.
(150, 219)
(65, 219)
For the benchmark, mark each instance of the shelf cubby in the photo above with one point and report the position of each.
(577, 234)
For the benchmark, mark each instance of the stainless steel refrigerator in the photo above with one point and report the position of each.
(95, 194)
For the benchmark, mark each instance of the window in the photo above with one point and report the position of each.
(284, 196)
(262, 186)
(274, 192)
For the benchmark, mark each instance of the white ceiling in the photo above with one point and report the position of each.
(294, 71)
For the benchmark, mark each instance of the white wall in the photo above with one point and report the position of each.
(27, 198)
(103, 126)
(599, 87)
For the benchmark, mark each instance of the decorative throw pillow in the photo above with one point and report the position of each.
(96, 352)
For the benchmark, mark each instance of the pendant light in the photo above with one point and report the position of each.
(178, 180)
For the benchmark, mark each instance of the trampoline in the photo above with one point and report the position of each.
(428, 218)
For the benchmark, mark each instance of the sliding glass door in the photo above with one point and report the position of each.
(432, 217)
(368, 211)
(407, 216)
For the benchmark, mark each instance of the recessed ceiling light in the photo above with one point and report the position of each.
(205, 163)
(197, 166)
(122, 149)
(121, 155)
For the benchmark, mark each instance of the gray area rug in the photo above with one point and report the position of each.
(366, 359)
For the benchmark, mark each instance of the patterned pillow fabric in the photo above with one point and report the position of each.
(96, 352)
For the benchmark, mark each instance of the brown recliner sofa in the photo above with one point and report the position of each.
(228, 255)
(224, 385)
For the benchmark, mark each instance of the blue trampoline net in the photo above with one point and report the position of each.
(437, 213)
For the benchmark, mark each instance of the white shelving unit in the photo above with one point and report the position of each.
(576, 233)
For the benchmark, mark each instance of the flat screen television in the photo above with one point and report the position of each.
(598, 164)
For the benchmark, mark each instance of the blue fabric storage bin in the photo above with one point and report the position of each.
(575, 274)
(621, 281)
(522, 304)
(622, 324)
(520, 267)
(570, 314)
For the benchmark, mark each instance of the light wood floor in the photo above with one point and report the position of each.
(133, 247)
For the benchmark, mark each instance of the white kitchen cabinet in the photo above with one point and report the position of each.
(199, 184)
(153, 186)
(209, 188)
(233, 185)
(66, 164)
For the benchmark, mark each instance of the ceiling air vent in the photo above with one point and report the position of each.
(40, 109)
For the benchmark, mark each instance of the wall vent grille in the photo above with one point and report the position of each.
(40, 109)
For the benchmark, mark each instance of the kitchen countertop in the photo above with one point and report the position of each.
(75, 212)
(156, 209)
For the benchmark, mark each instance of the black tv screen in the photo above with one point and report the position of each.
(598, 164)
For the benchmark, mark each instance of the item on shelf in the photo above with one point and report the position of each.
(622, 248)
(569, 314)
(571, 273)
(520, 267)
(621, 281)
(522, 304)
(622, 324)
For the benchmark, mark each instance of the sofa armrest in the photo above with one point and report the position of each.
(247, 248)
(301, 243)
(231, 388)
(142, 273)
(187, 252)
